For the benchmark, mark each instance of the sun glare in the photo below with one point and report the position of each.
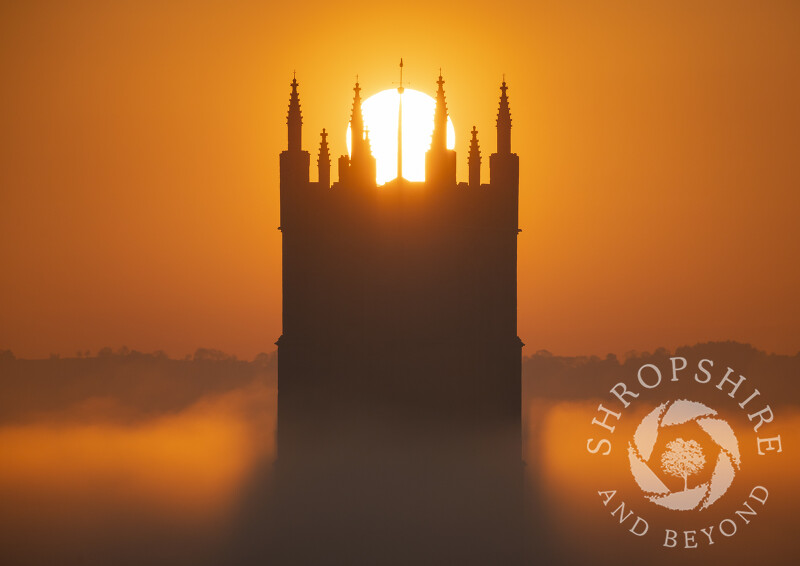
(380, 118)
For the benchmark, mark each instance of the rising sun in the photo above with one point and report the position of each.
(380, 118)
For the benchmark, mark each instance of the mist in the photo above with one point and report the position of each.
(132, 458)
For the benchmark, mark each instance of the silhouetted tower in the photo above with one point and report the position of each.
(399, 378)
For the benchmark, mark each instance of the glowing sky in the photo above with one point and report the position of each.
(139, 162)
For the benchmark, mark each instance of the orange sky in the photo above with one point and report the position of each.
(140, 140)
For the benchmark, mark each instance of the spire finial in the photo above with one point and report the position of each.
(356, 114)
(400, 89)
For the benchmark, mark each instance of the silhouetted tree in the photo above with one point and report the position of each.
(212, 355)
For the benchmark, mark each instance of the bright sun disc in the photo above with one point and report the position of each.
(380, 118)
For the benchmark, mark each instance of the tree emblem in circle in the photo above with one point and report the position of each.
(683, 458)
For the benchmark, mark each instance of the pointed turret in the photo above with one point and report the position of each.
(504, 166)
(474, 160)
(439, 137)
(356, 124)
(294, 164)
(503, 122)
(440, 162)
(362, 165)
(367, 144)
(294, 119)
(324, 161)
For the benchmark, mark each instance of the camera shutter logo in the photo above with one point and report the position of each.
(683, 458)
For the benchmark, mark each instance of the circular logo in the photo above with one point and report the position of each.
(683, 458)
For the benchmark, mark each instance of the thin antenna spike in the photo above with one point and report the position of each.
(400, 91)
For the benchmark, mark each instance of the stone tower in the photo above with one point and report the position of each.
(399, 365)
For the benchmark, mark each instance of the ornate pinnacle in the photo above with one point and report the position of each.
(439, 138)
(503, 122)
(294, 119)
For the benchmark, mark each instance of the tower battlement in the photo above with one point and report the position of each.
(358, 169)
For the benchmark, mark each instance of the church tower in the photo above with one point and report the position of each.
(399, 366)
